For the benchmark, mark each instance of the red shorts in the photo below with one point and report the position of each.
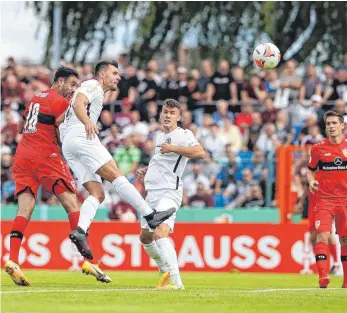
(323, 215)
(52, 173)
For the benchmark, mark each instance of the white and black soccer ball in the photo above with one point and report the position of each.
(266, 56)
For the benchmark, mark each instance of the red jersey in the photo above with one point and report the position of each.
(330, 162)
(39, 135)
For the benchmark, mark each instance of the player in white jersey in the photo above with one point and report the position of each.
(90, 160)
(163, 183)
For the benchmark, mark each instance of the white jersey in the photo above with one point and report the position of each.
(95, 94)
(165, 170)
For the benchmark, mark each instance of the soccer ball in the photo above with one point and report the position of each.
(266, 56)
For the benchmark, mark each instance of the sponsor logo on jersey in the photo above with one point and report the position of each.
(344, 151)
(317, 224)
(327, 154)
(338, 161)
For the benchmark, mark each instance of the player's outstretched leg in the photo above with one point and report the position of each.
(26, 204)
(130, 194)
(94, 270)
(152, 249)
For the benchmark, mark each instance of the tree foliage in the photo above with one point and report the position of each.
(308, 31)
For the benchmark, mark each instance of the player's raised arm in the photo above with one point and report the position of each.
(194, 152)
(79, 106)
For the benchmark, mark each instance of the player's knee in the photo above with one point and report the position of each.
(323, 237)
(146, 237)
(162, 231)
(100, 195)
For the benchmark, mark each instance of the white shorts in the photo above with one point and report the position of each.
(163, 200)
(85, 156)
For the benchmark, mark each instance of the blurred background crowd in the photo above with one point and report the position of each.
(239, 118)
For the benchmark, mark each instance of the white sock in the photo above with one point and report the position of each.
(168, 254)
(153, 251)
(130, 194)
(87, 212)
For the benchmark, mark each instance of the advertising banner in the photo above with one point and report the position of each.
(200, 247)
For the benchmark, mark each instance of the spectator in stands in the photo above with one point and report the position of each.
(244, 119)
(236, 192)
(202, 199)
(341, 107)
(313, 137)
(123, 211)
(123, 118)
(7, 189)
(190, 182)
(147, 90)
(238, 76)
(272, 83)
(12, 90)
(170, 86)
(328, 77)
(153, 65)
(112, 140)
(34, 87)
(290, 80)
(258, 164)
(182, 76)
(186, 119)
(268, 140)
(222, 113)
(311, 85)
(251, 133)
(147, 152)
(338, 89)
(311, 121)
(127, 157)
(316, 107)
(254, 91)
(284, 132)
(105, 122)
(205, 130)
(206, 74)
(127, 87)
(254, 198)
(270, 112)
(221, 85)
(88, 70)
(232, 135)
(6, 164)
(22, 74)
(210, 168)
(227, 173)
(152, 113)
(216, 142)
(190, 94)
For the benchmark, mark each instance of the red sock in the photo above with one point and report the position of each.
(321, 253)
(73, 219)
(333, 252)
(17, 232)
(344, 264)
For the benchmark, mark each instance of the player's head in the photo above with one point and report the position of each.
(334, 124)
(171, 113)
(108, 72)
(66, 81)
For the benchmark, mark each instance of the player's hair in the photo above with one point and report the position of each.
(172, 103)
(64, 72)
(104, 64)
(333, 113)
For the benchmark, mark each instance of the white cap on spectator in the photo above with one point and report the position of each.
(316, 98)
(182, 70)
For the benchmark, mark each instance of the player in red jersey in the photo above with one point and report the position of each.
(38, 161)
(327, 179)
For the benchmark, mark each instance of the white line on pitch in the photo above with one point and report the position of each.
(147, 289)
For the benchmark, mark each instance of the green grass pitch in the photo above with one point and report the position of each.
(60, 291)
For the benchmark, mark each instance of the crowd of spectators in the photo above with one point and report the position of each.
(239, 119)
